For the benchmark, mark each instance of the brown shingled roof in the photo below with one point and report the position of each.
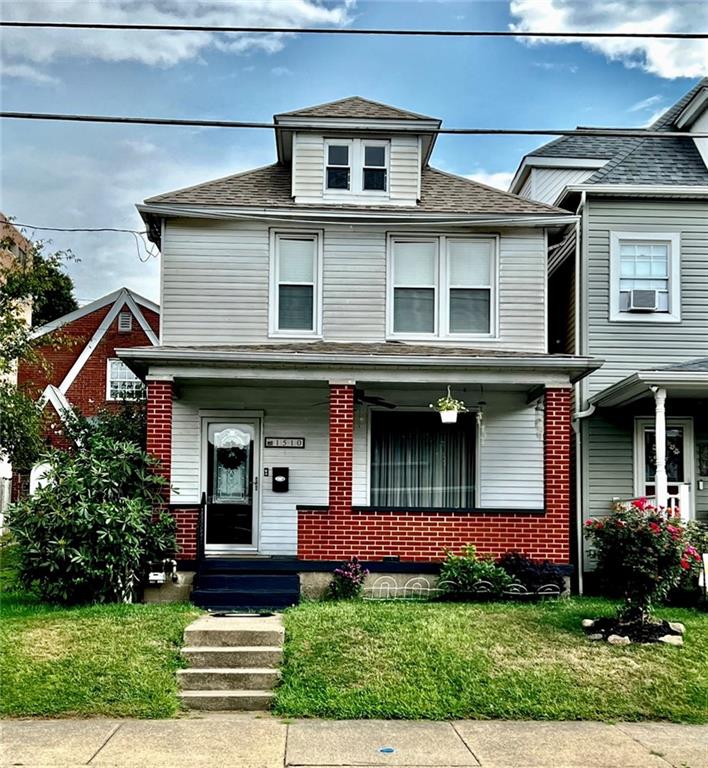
(356, 107)
(270, 187)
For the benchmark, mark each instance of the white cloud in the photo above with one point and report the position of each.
(100, 189)
(155, 48)
(664, 58)
(498, 179)
(29, 73)
(648, 103)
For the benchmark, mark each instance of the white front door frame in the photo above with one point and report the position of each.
(254, 418)
(689, 472)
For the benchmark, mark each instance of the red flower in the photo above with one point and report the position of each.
(685, 564)
(641, 504)
(655, 528)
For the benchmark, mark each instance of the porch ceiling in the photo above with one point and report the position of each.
(683, 383)
(376, 363)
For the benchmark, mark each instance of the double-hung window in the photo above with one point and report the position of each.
(644, 276)
(122, 383)
(339, 170)
(295, 285)
(355, 167)
(374, 167)
(442, 286)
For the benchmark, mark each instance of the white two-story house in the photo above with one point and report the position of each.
(632, 289)
(312, 310)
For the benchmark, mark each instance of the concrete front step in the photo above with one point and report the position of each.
(201, 657)
(227, 700)
(255, 679)
(235, 632)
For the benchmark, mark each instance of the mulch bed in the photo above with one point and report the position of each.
(636, 632)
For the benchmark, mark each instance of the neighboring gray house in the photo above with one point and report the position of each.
(635, 293)
(312, 310)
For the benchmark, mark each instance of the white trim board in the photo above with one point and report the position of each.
(123, 299)
(128, 295)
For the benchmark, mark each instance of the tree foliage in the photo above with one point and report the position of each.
(30, 279)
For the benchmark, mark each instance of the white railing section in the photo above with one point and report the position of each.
(681, 500)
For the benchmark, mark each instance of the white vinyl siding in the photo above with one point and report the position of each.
(545, 184)
(310, 163)
(216, 284)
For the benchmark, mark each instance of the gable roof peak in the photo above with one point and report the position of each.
(355, 107)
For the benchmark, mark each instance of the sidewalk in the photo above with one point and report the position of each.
(248, 741)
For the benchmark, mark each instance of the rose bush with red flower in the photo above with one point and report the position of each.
(644, 551)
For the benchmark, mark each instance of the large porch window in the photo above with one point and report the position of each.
(416, 461)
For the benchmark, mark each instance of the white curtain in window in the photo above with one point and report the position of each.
(416, 461)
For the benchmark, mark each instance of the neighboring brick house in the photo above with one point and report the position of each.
(312, 310)
(82, 370)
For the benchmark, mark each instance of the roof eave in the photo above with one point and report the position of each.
(575, 367)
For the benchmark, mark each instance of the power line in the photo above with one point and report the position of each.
(350, 31)
(138, 234)
(624, 133)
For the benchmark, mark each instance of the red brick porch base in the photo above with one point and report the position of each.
(341, 531)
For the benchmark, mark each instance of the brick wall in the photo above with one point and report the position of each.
(340, 532)
(159, 445)
(341, 447)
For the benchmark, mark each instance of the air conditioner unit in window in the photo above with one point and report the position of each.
(642, 300)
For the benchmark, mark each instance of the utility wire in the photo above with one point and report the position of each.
(350, 31)
(624, 133)
(138, 234)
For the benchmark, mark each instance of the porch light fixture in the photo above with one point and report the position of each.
(448, 407)
(539, 412)
(481, 428)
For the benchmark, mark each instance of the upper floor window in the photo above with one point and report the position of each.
(338, 166)
(645, 276)
(295, 284)
(442, 286)
(374, 169)
(122, 383)
(357, 166)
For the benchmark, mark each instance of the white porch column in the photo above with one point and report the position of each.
(660, 480)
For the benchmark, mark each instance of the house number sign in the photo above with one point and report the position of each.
(285, 442)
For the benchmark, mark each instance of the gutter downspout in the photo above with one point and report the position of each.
(579, 415)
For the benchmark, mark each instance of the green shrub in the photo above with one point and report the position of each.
(460, 573)
(645, 551)
(688, 591)
(88, 534)
(533, 574)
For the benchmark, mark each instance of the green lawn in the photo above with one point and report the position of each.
(434, 660)
(112, 660)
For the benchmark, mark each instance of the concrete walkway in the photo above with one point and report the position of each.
(252, 741)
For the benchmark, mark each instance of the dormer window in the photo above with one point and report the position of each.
(374, 172)
(356, 167)
(338, 166)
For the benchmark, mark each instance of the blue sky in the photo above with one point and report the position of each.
(89, 175)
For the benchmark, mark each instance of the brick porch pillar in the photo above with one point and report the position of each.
(341, 446)
(159, 427)
(558, 430)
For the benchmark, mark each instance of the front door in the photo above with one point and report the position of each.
(231, 479)
(679, 457)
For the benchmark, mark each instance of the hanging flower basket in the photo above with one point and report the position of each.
(448, 408)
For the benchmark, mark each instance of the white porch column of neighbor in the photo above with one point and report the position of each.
(660, 480)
